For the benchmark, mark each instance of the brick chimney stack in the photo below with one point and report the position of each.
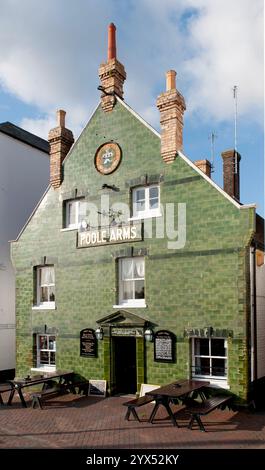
(112, 74)
(171, 105)
(231, 174)
(61, 140)
(205, 166)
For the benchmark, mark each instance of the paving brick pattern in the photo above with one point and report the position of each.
(72, 421)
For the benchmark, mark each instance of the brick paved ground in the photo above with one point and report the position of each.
(72, 421)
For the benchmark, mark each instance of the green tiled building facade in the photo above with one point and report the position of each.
(200, 290)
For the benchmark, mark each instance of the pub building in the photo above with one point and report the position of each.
(136, 267)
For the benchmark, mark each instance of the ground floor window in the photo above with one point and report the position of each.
(46, 349)
(209, 358)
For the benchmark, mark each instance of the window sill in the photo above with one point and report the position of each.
(215, 383)
(44, 307)
(148, 215)
(69, 229)
(130, 305)
(43, 369)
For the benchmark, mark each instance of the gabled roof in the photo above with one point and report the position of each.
(24, 136)
(180, 154)
(122, 318)
(187, 160)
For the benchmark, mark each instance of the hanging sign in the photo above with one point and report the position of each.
(88, 343)
(164, 346)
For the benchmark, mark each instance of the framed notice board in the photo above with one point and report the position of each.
(164, 346)
(97, 388)
(88, 343)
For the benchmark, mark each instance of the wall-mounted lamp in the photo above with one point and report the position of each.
(148, 334)
(99, 333)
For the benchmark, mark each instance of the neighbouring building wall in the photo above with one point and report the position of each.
(260, 289)
(24, 176)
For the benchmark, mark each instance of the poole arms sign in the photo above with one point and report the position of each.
(110, 235)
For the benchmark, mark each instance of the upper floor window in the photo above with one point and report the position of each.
(46, 349)
(209, 358)
(131, 281)
(45, 286)
(146, 201)
(75, 213)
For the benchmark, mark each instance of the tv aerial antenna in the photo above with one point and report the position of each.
(235, 89)
(212, 138)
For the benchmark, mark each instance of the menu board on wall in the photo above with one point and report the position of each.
(88, 343)
(164, 346)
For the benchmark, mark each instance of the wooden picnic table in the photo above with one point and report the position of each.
(180, 389)
(17, 385)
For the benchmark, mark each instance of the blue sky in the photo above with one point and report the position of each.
(52, 51)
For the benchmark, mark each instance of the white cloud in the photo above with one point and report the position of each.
(227, 38)
(52, 53)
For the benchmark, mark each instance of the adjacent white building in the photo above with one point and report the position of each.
(24, 176)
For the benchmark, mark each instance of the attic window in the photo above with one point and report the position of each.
(146, 202)
(75, 213)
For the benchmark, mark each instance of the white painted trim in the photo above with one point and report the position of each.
(68, 229)
(215, 383)
(41, 199)
(248, 206)
(188, 161)
(146, 216)
(45, 306)
(192, 165)
(78, 138)
(130, 305)
(138, 117)
(43, 369)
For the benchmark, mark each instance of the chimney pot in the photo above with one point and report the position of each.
(61, 118)
(171, 80)
(205, 166)
(112, 42)
(112, 74)
(61, 140)
(171, 105)
(231, 174)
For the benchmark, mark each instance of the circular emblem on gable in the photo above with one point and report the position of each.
(108, 158)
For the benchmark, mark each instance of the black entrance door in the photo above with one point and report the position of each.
(125, 364)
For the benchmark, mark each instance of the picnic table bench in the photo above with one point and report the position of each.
(135, 403)
(5, 387)
(197, 409)
(46, 393)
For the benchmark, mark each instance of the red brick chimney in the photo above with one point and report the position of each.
(112, 74)
(61, 140)
(231, 160)
(205, 166)
(171, 105)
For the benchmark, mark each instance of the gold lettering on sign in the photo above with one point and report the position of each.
(109, 235)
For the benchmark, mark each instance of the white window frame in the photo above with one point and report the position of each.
(40, 365)
(148, 212)
(45, 305)
(221, 379)
(77, 223)
(129, 302)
